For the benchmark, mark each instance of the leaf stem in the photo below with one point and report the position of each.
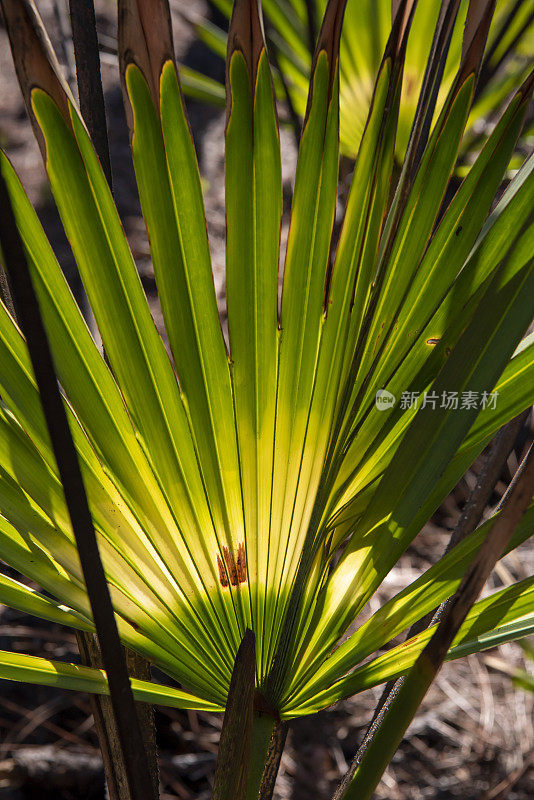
(262, 732)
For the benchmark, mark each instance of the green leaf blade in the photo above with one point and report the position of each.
(253, 215)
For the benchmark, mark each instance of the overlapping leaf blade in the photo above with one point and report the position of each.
(171, 198)
(410, 478)
(302, 319)
(30, 669)
(353, 263)
(419, 598)
(499, 610)
(253, 217)
(413, 362)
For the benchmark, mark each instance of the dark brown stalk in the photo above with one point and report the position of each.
(429, 90)
(90, 92)
(231, 772)
(106, 727)
(30, 320)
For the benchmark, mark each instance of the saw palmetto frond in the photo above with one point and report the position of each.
(264, 484)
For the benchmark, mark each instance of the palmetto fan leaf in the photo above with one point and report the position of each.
(365, 33)
(222, 480)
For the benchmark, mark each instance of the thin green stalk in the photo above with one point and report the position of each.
(274, 756)
(262, 732)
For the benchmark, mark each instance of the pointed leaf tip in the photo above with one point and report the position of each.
(328, 43)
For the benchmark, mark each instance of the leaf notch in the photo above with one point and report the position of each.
(328, 41)
(245, 35)
(146, 40)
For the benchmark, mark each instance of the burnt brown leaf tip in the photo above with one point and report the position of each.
(246, 36)
(145, 39)
(401, 20)
(477, 25)
(328, 42)
(34, 58)
(330, 33)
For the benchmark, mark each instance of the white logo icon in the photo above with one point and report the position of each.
(384, 400)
